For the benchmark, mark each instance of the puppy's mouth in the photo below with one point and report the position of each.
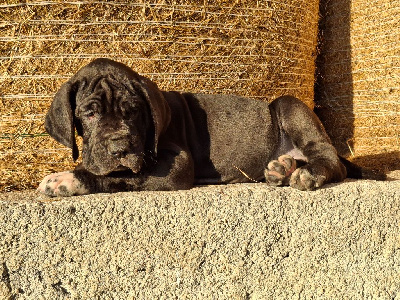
(120, 168)
(132, 162)
(101, 162)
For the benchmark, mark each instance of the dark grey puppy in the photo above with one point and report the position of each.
(137, 137)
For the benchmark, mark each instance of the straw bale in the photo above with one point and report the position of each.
(358, 84)
(260, 49)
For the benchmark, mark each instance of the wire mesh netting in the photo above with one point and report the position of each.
(260, 49)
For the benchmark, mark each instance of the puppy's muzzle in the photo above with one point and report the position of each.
(119, 146)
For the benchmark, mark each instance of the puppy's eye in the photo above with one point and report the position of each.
(89, 114)
(90, 111)
(129, 110)
(134, 110)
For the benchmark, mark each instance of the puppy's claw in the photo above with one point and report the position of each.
(289, 163)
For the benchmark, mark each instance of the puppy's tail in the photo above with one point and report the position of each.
(357, 172)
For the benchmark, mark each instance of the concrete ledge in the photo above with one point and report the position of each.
(246, 241)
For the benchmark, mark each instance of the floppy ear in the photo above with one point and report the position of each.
(59, 121)
(159, 107)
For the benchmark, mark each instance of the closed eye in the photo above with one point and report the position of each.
(129, 109)
(90, 110)
(89, 114)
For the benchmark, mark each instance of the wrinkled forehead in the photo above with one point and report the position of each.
(104, 68)
(109, 84)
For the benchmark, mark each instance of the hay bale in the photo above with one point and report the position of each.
(358, 88)
(252, 48)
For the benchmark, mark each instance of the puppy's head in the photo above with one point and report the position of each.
(119, 114)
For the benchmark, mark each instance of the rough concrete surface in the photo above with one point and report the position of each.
(245, 241)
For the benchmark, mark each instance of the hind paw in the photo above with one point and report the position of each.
(303, 180)
(278, 172)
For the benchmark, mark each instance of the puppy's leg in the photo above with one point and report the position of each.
(297, 122)
(172, 170)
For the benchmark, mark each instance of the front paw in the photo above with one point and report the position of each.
(303, 180)
(63, 184)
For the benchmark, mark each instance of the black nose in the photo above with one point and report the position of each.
(118, 147)
(118, 154)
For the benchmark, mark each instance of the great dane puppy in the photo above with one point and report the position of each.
(137, 137)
